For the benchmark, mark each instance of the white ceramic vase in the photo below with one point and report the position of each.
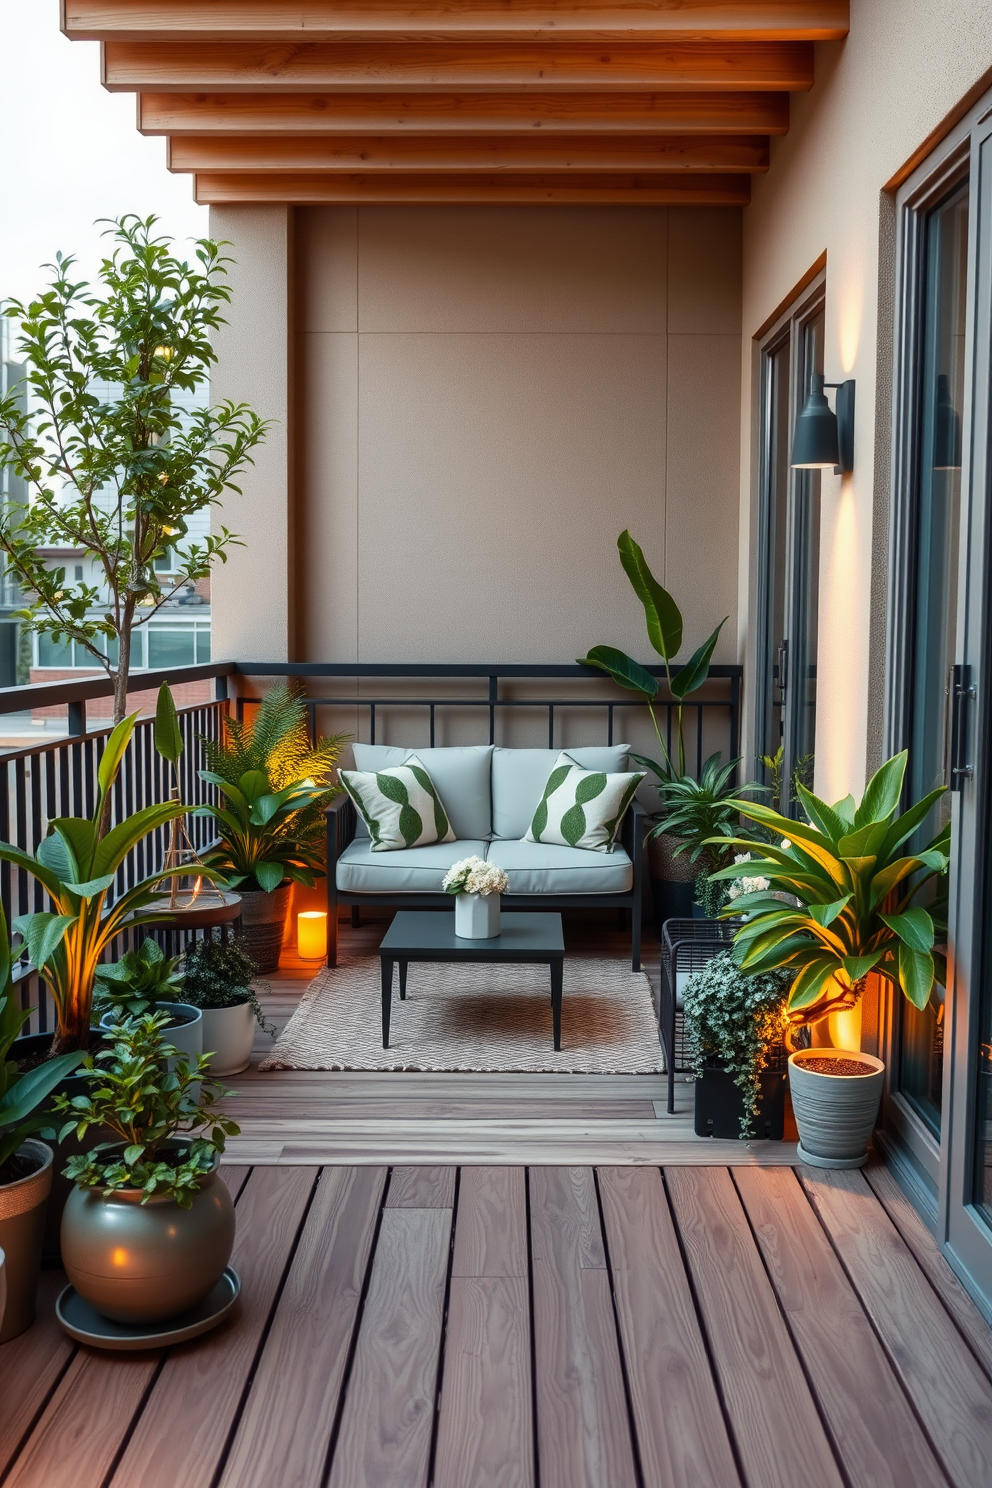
(477, 916)
(228, 1035)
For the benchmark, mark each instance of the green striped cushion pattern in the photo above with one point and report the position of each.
(400, 806)
(582, 808)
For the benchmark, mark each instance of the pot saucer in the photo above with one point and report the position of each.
(83, 1322)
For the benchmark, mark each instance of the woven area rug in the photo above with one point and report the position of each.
(475, 1017)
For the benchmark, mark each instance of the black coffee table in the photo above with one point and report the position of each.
(426, 935)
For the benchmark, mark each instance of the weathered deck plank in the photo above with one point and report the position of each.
(485, 1427)
(873, 1426)
(285, 1428)
(30, 1367)
(951, 1392)
(181, 1434)
(583, 1431)
(386, 1425)
(779, 1435)
(677, 1414)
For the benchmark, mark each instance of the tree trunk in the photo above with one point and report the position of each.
(72, 1033)
(123, 669)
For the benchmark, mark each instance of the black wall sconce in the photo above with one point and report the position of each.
(824, 440)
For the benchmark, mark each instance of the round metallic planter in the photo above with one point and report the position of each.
(142, 1263)
(22, 1229)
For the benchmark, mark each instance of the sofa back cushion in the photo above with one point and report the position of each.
(461, 777)
(520, 775)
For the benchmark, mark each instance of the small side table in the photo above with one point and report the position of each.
(429, 935)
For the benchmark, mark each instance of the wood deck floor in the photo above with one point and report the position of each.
(295, 1116)
(550, 1327)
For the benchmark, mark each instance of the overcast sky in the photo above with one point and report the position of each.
(70, 152)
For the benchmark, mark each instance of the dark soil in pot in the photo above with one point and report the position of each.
(17, 1167)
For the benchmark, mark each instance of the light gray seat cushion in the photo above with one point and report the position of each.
(520, 775)
(544, 868)
(461, 777)
(412, 870)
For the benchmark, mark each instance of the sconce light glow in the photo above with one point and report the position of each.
(824, 440)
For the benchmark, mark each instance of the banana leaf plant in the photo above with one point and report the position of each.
(22, 1094)
(849, 892)
(77, 865)
(665, 628)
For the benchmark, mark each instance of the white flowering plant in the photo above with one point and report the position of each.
(475, 876)
(736, 1019)
(740, 886)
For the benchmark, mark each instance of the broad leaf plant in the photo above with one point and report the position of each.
(841, 901)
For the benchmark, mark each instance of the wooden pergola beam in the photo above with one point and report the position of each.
(259, 113)
(456, 67)
(564, 21)
(317, 188)
(531, 153)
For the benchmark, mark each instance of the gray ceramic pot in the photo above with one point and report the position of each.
(835, 1114)
(143, 1263)
(263, 918)
(22, 1229)
(228, 1036)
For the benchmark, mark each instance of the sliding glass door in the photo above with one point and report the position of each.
(788, 554)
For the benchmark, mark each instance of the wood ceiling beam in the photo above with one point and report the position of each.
(530, 153)
(481, 20)
(316, 189)
(178, 114)
(458, 67)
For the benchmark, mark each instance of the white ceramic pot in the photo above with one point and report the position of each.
(228, 1035)
(477, 916)
(835, 1114)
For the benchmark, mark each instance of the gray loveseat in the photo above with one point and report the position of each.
(490, 795)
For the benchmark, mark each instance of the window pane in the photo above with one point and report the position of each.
(934, 619)
(170, 648)
(53, 653)
(776, 520)
(203, 645)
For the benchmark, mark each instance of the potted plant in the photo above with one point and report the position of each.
(671, 874)
(218, 980)
(737, 1023)
(149, 1226)
(275, 786)
(848, 912)
(476, 886)
(694, 816)
(77, 866)
(146, 980)
(25, 1163)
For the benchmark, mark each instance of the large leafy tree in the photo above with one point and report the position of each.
(115, 466)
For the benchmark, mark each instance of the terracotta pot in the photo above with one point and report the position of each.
(835, 1114)
(263, 917)
(143, 1263)
(228, 1036)
(22, 1229)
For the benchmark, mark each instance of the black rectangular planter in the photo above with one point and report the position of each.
(719, 1106)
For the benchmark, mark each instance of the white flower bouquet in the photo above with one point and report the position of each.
(741, 886)
(475, 876)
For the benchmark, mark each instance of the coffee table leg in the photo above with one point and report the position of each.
(386, 963)
(557, 976)
(403, 967)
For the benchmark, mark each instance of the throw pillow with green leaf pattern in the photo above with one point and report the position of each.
(582, 808)
(400, 806)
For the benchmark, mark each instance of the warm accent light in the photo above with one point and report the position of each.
(311, 934)
(120, 1257)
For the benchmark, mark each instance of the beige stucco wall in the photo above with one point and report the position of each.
(485, 398)
(878, 96)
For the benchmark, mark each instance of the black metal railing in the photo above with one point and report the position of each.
(57, 776)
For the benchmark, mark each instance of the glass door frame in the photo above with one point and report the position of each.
(788, 330)
(939, 1174)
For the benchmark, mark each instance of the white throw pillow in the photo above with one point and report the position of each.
(582, 808)
(400, 806)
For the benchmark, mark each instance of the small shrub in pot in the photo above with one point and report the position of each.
(736, 1022)
(152, 1195)
(217, 979)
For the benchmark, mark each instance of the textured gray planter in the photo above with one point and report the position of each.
(835, 1114)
